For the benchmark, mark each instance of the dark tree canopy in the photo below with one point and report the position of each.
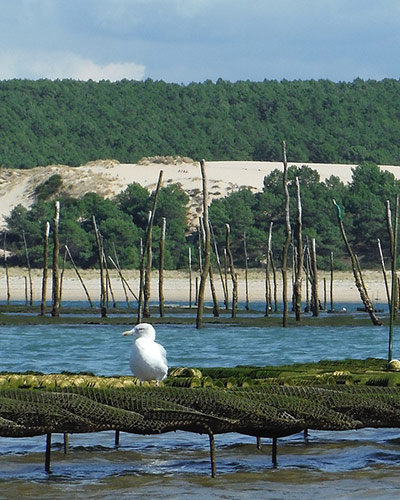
(73, 122)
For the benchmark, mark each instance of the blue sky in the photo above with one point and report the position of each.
(187, 41)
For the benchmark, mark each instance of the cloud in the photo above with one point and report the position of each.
(53, 65)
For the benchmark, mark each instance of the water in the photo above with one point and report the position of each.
(341, 465)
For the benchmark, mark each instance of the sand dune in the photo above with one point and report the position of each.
(108, 178)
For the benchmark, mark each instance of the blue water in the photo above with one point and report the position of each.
(102, 350)
(357, 464)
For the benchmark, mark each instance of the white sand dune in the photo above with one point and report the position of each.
(108, 178)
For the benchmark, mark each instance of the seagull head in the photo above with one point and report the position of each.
(142, 330)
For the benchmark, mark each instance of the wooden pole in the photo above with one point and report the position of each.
(384, 272)
(45, 269)
(79, 276)
(275, 283)
(275, 451)
(212, 455)
(300, 254)
(226, 279)
(123, 280)
(118, 268)
(56, 277)
(207, 252)
(357, 278)
(331, 287)
(219, 264)
(232, 270)
(391, 240)
(7, 272)
(99, 242)
(48, 454)
(62, 275)
(146, 257)
(315, 298)
(190, 276)
(394, 278)
(246, 270)
(161, 269)
(286, 245)
(268, 298)
(29, 269)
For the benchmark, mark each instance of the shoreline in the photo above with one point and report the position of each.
(176, 286)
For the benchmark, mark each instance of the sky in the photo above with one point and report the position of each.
(186, 41)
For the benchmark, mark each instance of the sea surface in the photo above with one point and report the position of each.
(363, 464)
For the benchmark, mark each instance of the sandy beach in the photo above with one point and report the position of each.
(176, 286)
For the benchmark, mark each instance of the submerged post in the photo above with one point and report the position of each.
(48, 453)
(212, 455)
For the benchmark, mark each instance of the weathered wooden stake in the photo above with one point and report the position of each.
(66, 443)
(357, 278)
(212, 455)
(384, 272)
(190, 276)
(300, 255)
(226, 279)
(275, 451)
(145, 260)
(246, 270)
(45, 269)
(315, 299)
(394, 278)
(232, 270)
(79, 275)
(101, 265)
(48, 454)
(29, 269)
(286, 245)
(268, 297)
(219, 266)
(331, 287)
(55, 312)
(161, 269)
(7, 272)
(207, 252)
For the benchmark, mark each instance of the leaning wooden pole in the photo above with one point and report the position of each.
(55, 312)
(286, 245)
(394, 278)
(45, 268)
(207, 252)
(385, 279)
(357, 278)
(161, 269)
(79, 276)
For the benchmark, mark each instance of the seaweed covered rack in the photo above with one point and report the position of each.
(265, 410)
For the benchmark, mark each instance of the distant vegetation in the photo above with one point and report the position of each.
(72, 122)
(123, 220)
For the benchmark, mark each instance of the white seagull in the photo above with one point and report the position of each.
(148, 359)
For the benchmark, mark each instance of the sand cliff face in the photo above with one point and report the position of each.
(109, 177)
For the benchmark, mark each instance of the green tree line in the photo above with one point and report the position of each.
(72, 122)
(123, 219)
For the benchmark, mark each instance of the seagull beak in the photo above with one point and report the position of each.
(128, 332)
